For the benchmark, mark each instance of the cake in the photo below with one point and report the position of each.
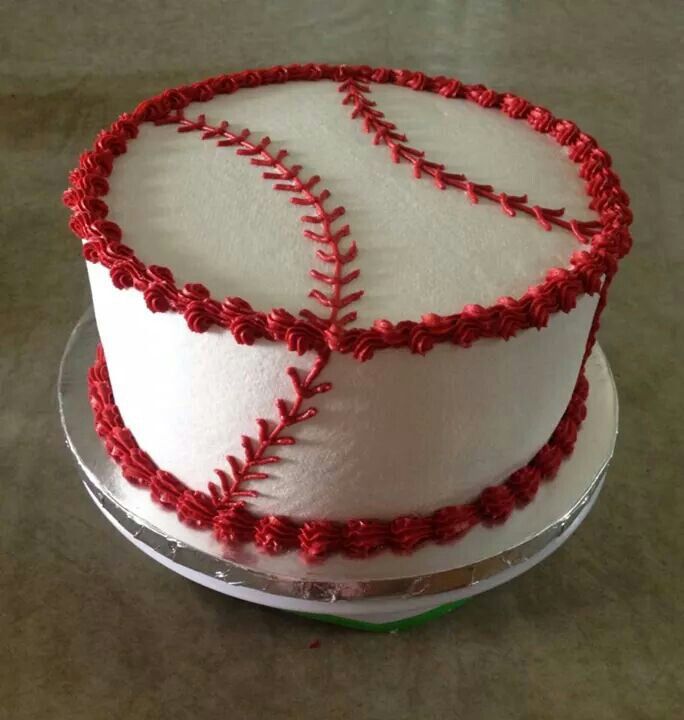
(343, 309)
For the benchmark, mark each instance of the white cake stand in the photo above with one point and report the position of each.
(382, 593)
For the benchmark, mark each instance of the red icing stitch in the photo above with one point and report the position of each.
(606, 240)
(386, 133)
(232, 522)
(270, 436)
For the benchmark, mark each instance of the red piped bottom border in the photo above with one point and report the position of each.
(233, 523)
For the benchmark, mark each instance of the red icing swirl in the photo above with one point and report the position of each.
(274, 534)
(158, 297)
(91, 251)
(548, 460)
(166, 489)
(108, 418)
(565, 435)
(233, 307)
(320, 538)
(174, 99)
(112, 141)
(589, 269)
(279, 321)
(451, 523)
(524, 484)
(196, 508)
(421, 340)
(123, 274)
(511, 317)
(197, 317)
(484, 96)
(541, 119)
(418, 81)
(92, 184)
(126, 126)
(363, 538)
(105, 230)
(496, 504)
(235, 524)
(471, 325)
(567, 287)
(98, 162)
(515, 107)
(151, 110)
(408, 533)
(452, 89)
(201, 92)
(565, 132)
(79, 224)
(137, 467)
(195, 291)
(381, 75)
(246, 329)
(367, 344)
(161, 274)
(542, 305)
(302, 337)
(582, 147)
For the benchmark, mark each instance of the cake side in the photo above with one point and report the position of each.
(402, 433)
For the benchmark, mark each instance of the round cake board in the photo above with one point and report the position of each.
(384, 593)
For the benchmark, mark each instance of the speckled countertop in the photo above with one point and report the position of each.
(91, 628)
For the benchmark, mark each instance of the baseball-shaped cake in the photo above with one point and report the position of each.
(343, 309)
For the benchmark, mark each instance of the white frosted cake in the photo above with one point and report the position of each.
(343, 309)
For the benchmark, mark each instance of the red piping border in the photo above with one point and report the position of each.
(233, 523)
(504, 319)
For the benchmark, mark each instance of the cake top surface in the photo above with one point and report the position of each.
(390, 205)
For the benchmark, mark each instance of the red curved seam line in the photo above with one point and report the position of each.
(270, 437)
(233, 523)
(504, 319)
(386, 133)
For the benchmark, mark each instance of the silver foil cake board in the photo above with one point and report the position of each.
(384, 592)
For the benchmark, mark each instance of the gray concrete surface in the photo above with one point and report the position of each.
(90, 628)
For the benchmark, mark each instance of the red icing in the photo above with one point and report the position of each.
(454, 521)
(166, 489)
(409, 532)
(275, 534)
(235, 524)
(524, 483)
(496, 503)
(319, 538)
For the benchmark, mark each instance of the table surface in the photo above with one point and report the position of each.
(91, 628)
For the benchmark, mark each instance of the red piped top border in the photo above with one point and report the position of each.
(606, 242)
